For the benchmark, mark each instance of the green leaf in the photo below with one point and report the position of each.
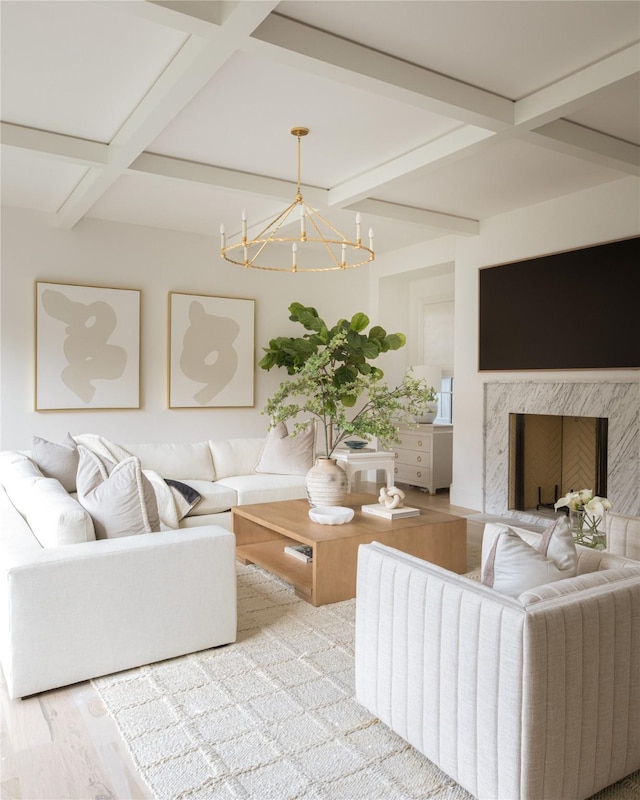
(395, 341)
(359, 322)
(377, 332)
(370, 349)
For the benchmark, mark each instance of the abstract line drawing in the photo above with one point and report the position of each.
(87, 347)
(211, 351)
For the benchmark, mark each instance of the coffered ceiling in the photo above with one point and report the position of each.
(428, 117)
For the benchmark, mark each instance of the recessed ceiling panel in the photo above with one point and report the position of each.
(37, 182)
(615, 112)
(474, 42)
(78, 68)
(242, 120)
(165, 203)
(506, 176)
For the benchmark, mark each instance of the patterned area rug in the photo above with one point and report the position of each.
(272, 717)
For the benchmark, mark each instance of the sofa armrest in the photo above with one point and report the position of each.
(79, 611)
(514, 702)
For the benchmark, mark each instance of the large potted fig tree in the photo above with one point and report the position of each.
(332, 380)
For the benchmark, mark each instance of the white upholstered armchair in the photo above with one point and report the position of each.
(535, 698)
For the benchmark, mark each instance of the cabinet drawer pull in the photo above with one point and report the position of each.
(419, 442)
(419, 474)
(395, 455)
(395, 470)
(419, 459)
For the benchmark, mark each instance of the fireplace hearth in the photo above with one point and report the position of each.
(616, 403)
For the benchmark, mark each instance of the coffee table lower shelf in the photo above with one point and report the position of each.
(271, 556)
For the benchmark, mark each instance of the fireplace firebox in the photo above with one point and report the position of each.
(550, 455)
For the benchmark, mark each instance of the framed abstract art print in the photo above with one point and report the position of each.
(87, 347)
(211, 351)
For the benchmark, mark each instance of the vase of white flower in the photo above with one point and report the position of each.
(586, 517)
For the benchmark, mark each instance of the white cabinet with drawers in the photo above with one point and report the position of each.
(423, 457)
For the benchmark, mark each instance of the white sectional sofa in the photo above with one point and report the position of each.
(74, 606)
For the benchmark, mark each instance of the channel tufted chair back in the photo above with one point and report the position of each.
(534, 698)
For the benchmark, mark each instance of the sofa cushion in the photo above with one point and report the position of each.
(215, 497)
(119, 497)
(58, 461)
(234, 456)
(56, 518)
(288, 454)
(14, 468)
(177, 461)
(265, 488)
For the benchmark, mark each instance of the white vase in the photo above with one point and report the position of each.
(326, 483)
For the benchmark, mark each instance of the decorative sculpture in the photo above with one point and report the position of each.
(391, 497)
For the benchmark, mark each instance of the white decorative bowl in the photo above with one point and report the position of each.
(331, 515)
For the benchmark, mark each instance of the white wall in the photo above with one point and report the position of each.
(603, 214)
(157, 262)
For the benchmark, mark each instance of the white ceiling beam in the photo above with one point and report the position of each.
(222, 178)
(330, 56)
(418, 216)
(59, 147)
(571, 93)
(193, 66)
(572, 139)
(450, 146)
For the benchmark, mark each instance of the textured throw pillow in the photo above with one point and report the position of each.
(119, 497)
(58, 461)
(185, 497)
(286, 454)
(513, 566)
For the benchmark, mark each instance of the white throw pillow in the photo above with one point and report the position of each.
(513, 565)
(119, 497)
(58, 461)
(288, 454)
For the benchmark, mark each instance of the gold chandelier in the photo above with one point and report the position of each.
(335, 249)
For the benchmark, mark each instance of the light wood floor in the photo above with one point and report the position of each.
(62, 744)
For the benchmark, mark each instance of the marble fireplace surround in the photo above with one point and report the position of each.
(619, 402)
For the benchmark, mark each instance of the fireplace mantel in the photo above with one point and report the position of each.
(619, 402)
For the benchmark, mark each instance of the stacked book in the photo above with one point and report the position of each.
(390, 513)
(302, 551)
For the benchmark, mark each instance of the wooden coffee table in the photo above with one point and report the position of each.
(263, 531)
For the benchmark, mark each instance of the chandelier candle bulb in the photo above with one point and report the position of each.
(302, 216)
(244, 231)
(222, 237)
(294, 255)
(344, 254)
(358, 222)
(370, 238)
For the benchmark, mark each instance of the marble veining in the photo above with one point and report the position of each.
(619, 402)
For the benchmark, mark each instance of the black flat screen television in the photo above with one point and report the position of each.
(578, 309)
